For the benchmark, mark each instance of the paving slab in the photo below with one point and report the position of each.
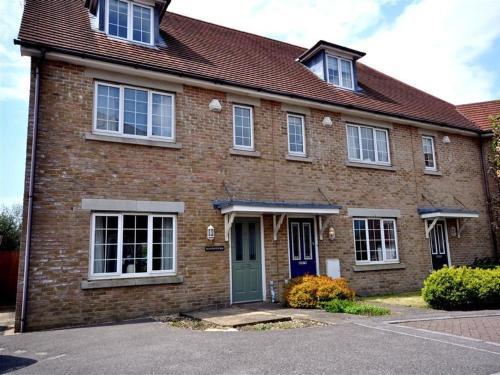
(237, 316)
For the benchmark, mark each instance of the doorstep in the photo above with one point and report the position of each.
(237, 316)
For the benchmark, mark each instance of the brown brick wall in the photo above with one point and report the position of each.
(70, 168)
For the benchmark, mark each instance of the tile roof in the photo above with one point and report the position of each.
(478, 113)
(203, 50)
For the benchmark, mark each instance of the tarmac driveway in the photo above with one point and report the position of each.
(367, 346)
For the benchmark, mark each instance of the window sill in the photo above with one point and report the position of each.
(303, 159)
(433, 173)
(136, 281)
(378, 267)
(371, 166)
(132, 141)
(252, 154)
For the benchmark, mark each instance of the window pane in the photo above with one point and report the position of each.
(375, 240)
(108, 106)
(141, 24)
(251, 242)
(162, 116)
(136, 112)
(163, 244)
(382, 149)
(105, 244)
(367, 144)
(333, 70)
(118, 18)
(135, 246)
(390, 240)
(295, 134)
(239, 241)
(353, 142)
(242, 127)
(428, 148)
(306, 230)
(360, 240)
(296, 241)
(345, 67)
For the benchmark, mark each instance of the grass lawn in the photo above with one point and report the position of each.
(411, 299)
(354, 307)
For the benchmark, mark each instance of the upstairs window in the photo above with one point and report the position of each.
(429, 153)
(296, 138)
(130, 21)
(339, 72)
(133, 112)
(243, 127)
(367, 145)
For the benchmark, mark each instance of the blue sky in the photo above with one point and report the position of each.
(449, 48)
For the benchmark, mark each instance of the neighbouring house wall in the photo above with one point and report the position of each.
(494, 190)
(70, 168)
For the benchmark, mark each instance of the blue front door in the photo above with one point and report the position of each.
(302, 247)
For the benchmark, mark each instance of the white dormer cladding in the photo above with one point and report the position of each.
(333, 63)
(136, 21)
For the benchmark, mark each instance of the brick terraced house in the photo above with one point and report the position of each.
(174, 164)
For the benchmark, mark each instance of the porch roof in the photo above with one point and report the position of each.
(275, 207)
(446, 212)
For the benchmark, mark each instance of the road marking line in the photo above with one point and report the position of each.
(20, 351)
(428, 338)
(56, 357)
(450, 334)
(41, 353)
(2, 349)
(488, 315)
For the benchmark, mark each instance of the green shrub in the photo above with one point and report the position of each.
(352, 307)
(307, 291)
(462, 288)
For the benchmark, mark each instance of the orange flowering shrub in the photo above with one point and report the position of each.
(307, 292)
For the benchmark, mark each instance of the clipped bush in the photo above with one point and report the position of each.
(466, 288)
(307, 292)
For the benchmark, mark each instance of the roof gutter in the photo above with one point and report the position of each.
(29, 219)
(219, 82)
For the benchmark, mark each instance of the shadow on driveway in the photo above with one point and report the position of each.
(10, 363)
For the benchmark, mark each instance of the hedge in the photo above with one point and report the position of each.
(309, 291)
(463, 288)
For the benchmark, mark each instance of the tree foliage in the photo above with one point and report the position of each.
(10, 226)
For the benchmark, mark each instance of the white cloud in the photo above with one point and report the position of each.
(433, 45)
(436, 45)
(14, 69)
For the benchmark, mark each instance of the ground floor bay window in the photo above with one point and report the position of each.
(375, 240)
(125, 245)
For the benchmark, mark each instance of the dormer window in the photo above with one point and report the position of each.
(339, 72)
(333, 63)
(128, 20)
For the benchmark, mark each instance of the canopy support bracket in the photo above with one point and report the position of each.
(277, 225)
(428, 227)
(228, 223)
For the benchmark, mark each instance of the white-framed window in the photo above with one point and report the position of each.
(429, 153)
(131, 21)
(296, 135)
(339, 72)
(375, 240)
(368, 145)
(134, 112)
(133, 244)
(243, 127)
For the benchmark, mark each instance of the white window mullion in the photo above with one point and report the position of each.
(150, 244)
(150, 114)
(375, 144)
(119, 249)
(121, 111)
(367, 234)
(130, 19)
(382, 237)
(362, 157)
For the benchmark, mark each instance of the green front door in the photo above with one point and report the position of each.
(246, 260)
